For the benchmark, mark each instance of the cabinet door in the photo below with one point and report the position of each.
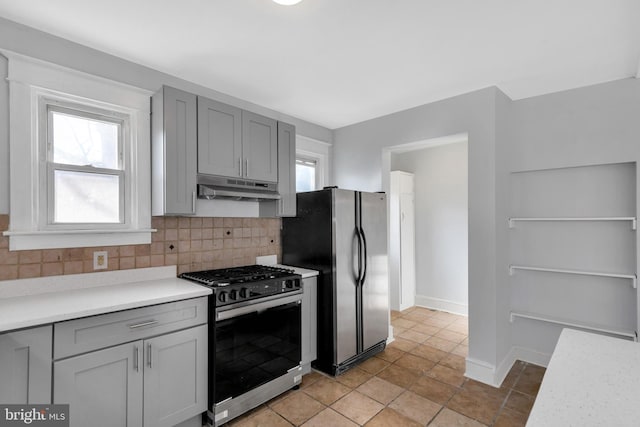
(102, 388)
(219, 138)
(287, 169)
(175, 377)
(180, 151)
(309, 319)
(259, 147)
(25, 367)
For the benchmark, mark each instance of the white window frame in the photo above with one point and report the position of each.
(310, 159)
(318, 151)
(33, 85)
(48, 106)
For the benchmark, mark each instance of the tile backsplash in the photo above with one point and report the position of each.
(190, 243)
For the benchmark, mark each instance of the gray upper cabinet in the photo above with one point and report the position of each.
(259, 147)
(236, 143)
(219, 138)
(25, 366)
(286, 205)
(287, 169)
(173, 152)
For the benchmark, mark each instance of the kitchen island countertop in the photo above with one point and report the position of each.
(592, 380)
(31, 302)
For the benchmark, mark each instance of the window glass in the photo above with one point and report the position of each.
(305, 175)
(81, 197)
(85, 170)
(79, 140)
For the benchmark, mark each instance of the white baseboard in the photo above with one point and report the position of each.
(481, 371)
(442, 305)
(489, 374)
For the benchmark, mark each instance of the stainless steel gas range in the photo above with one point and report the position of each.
(254, 336)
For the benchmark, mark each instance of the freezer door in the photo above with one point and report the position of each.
(345, 259)
(375, 288)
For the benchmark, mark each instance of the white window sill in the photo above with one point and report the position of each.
(24, 240)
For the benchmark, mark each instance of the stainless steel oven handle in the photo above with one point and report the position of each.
(260, 306)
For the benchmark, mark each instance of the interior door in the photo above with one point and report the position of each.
(375, 288)
(407, 251)
(345, 245)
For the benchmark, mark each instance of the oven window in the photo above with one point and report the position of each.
(255, 348)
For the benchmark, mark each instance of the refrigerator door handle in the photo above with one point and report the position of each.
(364, 250)
(359, 256)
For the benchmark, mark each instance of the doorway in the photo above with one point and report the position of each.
(440, 169)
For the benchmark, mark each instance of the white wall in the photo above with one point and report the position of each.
(358, 165)
(562, 138)
(441, 233)
(31, 42)
(587, 126)
(4, 137)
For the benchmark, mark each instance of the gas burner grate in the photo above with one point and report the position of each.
(244, 274)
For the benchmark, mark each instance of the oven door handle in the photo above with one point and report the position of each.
(257, 307)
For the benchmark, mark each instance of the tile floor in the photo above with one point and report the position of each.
(417, 381)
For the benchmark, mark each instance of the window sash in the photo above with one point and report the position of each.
(49, 107)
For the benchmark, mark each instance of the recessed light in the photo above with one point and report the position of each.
(287, 2)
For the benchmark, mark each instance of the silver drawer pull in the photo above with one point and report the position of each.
(140, 325)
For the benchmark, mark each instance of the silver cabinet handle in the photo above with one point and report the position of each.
(136, 356)
(149, 355)
(239, 166)
(246, 167)
(193, 202)
(140, 325)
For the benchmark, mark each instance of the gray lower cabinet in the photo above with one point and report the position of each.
(309, 322)
(25, 366)
(140, 367)
(103, 388)
(174, 153)
(175, 377)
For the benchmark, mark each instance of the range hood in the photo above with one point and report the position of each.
(216, 187)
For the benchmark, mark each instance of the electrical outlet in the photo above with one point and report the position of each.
(100, 260)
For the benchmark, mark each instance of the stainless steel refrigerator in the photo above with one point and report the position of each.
(343, 235)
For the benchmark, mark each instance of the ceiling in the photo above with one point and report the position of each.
(338, 62)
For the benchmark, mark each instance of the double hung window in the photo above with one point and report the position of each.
(86, 169)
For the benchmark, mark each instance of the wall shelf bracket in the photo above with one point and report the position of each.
(633, 220)
(632, 277)
(574, 324)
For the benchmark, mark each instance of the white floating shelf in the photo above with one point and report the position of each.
(632, 277)
(632, 219)
(573, 323)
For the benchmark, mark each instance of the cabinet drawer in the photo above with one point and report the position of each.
(92, 333)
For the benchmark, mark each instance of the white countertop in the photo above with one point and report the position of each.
(31, 302)
(591, 380)
(272, 260)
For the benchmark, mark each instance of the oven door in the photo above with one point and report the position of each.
(255, 344)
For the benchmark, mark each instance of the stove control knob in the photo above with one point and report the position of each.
(222, 297)
(290, 284)
(233, 294)
(243, 293)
